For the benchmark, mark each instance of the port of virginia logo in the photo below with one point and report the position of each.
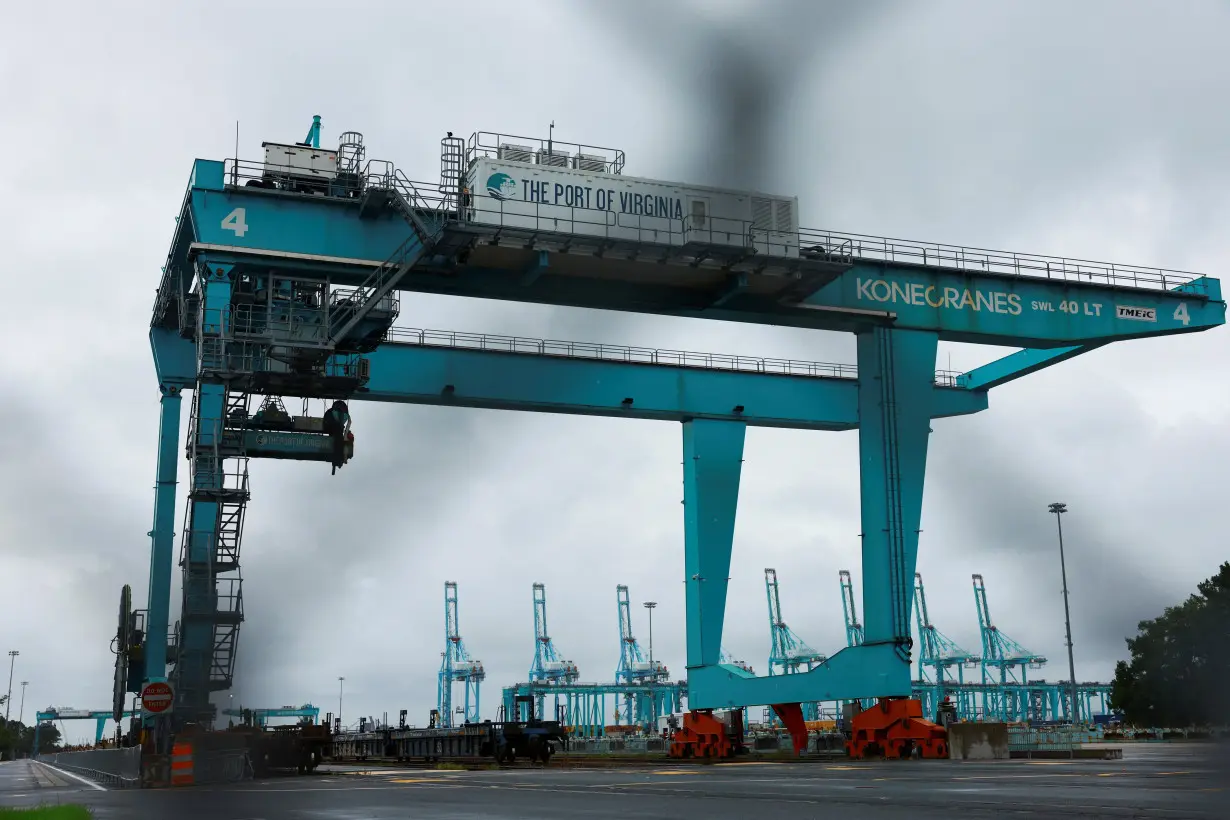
(502, 186)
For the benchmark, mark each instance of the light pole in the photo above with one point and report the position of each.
(8, 702)
(22, 710)
(341, 682)
(1059, 509)
(650, 605)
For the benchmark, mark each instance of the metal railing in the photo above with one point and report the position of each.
(634, 355)
(118, 768)
(222, 602)
(662, 230)
(489, 144)
(1001, 263)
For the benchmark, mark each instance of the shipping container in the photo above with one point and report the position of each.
(555, 192)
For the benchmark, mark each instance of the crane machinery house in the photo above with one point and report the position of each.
(577, 190)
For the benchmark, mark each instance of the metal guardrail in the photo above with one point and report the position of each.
(634, 355)
(118, 768)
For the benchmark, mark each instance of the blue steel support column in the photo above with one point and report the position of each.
(162, 539)
(896, 374)
(712, 463)
(199, 616)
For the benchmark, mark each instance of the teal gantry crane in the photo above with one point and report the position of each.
(1004, 662)
(854, 629)
(547, 665)
(788, 652)
(282, 281)
(940, 654)
(456, 665)
(634, 671)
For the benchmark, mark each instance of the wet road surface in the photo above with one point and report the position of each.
(1157, 781)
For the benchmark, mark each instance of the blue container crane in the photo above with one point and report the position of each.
(457, 665)
(854, 629)
(940, 654)
(547, 666)
(788, 652)
(1004, 662)
(62, 713)
(261, 717)
(633, 669)
(283, 279)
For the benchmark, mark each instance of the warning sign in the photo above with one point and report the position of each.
(157, 698)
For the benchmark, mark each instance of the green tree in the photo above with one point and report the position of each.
(17, 739)
(1180, 662)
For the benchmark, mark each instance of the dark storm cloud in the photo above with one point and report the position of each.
(65, 538)
(735, 71)
(993, 489)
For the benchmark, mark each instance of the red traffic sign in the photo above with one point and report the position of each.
(157, 698)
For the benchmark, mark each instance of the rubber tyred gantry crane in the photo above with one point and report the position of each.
(283, 280)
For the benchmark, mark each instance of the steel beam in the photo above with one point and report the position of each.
(1018, 364)
(162, 538)
(458, 377)
(894, 398)
(1033, 308)
(1021, 311)
(712, 463)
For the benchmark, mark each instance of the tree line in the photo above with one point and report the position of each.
(17, 739)
(1180, 663)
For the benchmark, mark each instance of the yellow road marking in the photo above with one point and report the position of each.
(675, 771)
(421, 780)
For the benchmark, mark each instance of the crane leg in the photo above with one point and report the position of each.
(791, 715)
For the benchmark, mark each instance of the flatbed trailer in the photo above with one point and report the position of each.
(499, 741)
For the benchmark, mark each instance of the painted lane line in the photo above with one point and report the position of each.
(76, 777)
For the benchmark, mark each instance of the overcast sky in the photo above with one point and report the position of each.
(1092, 129)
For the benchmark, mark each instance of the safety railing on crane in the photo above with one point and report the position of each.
(223, 601)
(550, 152)
(1002, 263)
(169, 289)
(807, 242)
(634, 355)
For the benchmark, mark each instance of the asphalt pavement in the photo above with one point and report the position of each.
(1156, 781)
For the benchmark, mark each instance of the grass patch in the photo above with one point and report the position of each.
(450, 767)
(47, 813)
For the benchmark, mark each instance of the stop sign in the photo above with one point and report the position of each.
(157, 698)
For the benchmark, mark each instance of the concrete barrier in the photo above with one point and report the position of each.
(978, 741)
